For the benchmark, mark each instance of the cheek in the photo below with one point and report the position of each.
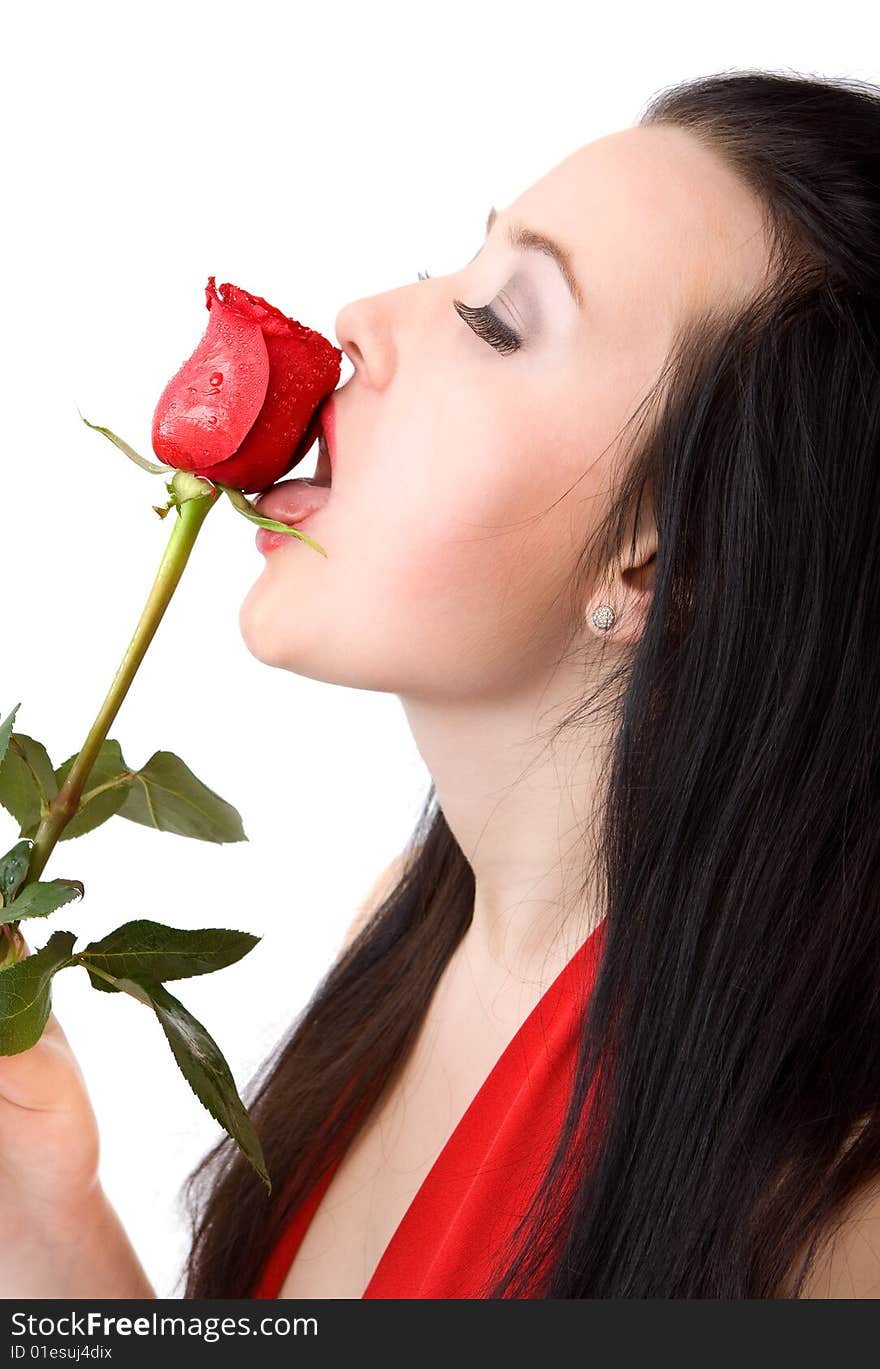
(467, 585)
(447, 572)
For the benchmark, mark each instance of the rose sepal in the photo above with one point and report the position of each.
(130, 452)
(182, 487)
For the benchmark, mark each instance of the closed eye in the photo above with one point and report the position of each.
(485, 323)
(488, 326)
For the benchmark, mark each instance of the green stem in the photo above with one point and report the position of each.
(102, 974)
(190, 516)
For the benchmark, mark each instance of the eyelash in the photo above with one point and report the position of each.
(485, 324)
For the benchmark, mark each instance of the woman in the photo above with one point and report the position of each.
(606, 520)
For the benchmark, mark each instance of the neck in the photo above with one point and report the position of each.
(523, 808)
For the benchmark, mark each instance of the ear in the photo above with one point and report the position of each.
(631, 586)
(633, 590)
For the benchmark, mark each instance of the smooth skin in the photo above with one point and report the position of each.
(466, 483)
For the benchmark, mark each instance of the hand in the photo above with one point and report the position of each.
(49, 1140)
(61, 1236)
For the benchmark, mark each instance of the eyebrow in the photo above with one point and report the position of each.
(530, 240)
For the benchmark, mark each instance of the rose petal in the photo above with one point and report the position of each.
(303, 369)
(208, 407)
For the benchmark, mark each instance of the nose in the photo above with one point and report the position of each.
(366, 332)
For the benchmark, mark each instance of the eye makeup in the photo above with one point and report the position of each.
(488, 326)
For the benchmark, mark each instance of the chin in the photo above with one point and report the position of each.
(255, 625)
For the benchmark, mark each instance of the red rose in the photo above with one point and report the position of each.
(237, 410)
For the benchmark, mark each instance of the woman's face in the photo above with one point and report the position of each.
(466, 479)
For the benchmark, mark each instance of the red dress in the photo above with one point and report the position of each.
(480, 1183)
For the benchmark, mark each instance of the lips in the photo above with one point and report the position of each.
(327, 416)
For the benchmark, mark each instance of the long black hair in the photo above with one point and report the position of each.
(731, 1045)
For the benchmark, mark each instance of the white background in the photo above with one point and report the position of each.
(312, 154)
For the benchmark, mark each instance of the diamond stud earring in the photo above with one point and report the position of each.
(603, 616)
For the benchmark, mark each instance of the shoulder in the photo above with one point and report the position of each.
(847, 1263)
(378, 891)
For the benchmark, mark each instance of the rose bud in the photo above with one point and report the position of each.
(237, 410)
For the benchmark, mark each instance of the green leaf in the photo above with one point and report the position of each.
(240, 502)
(27, 782)
(6, 731)
(166, 795)
(13, 868)
(40, 899)
(163, 953)
(106, 789)
(129, 451)
(26, 993)
(202, 1065)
